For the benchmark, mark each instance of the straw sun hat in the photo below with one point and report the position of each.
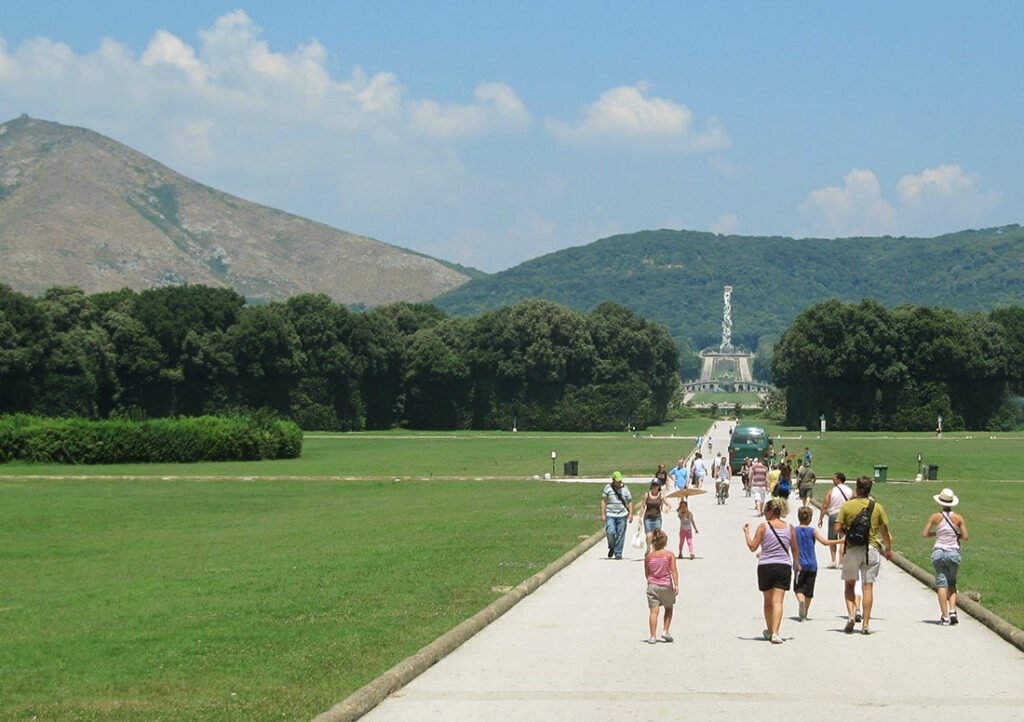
(946, 498)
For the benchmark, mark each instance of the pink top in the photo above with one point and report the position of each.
(660, 570)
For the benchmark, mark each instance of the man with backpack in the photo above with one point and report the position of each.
(866, 526)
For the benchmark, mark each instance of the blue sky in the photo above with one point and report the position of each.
(491, 133)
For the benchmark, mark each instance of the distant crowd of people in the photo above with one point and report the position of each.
(857, 535)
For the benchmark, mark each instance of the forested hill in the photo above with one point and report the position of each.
(676, 277)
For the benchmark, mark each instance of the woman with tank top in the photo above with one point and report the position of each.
(779, 555)
(949, 529)
(662, 585)
(652, 504)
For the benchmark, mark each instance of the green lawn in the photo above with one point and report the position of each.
(710, 397)
(456, 454)
(259, 597)
(250, 600)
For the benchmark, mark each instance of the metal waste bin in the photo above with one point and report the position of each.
(881, 472)
(933, 471)
(571, 468)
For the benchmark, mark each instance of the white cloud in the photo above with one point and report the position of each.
(726, 224)
(946, 190)
(856, 209)
(167, 49)
(626, 113)
(496, 107)
(937, 200)
(232, 78)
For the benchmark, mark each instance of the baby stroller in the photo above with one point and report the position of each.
(721, 491)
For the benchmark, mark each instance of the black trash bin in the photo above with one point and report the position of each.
(881, 472)
(933, 471)
(571, 468)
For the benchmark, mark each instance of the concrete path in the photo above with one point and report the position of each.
(576, 649)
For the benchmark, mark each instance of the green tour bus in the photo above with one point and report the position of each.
(747, 441)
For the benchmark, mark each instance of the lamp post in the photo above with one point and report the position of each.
(554, 455)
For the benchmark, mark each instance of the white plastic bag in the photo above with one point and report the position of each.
(639, 538)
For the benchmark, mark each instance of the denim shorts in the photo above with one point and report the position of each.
(946, 563)
(651, 524)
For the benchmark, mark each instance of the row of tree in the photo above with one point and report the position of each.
(197, 350)
(868, 367)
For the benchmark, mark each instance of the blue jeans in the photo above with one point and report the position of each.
(615, 528)
(651, 524)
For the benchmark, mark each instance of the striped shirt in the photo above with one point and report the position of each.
(614, 507)
(759, 476)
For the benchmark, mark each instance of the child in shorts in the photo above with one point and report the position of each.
(662, 585)
(686, 527)
(806, 535)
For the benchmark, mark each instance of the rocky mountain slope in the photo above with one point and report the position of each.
(77, 208)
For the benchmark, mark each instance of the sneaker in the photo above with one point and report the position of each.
(849, 626)
(610, 552)
(832, 566)
(952, 618)
(944, 621)
(803, 609)
(776, 639)
(667, 637)
(691, 557)
(766, 634)
(618, 556)
(680, 555)
(652, 640)
(858, 617)
(865, 630)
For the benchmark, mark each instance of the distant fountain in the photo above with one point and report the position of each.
(726, 346)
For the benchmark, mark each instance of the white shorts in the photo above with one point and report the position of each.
(759, 493)
(855, 566)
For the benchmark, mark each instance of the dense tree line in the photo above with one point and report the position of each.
(193, 350)
(868, 367)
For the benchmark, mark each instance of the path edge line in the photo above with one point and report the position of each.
(373, 693)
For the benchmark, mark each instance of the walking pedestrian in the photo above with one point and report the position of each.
(652, 504)
(803, 584)
(616, 513)
(779, 556)
(662, 586)
(698, 470)
(866, 526)
(949, 529)
(759, 484)
(679, 473)
(687, 527)
(806, 479)
(838, 495)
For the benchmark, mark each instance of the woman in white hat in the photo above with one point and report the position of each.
(949, 529)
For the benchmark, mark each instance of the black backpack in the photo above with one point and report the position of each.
(859, 530)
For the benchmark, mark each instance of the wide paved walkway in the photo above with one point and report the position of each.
(576, 649)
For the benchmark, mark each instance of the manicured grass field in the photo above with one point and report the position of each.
(250, 600)
(253, 597)
(708, 397)
(469, 454)
(960, 456)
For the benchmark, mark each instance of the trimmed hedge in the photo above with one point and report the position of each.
(121, 441)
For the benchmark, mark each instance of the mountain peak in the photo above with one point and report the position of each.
(78, 208)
